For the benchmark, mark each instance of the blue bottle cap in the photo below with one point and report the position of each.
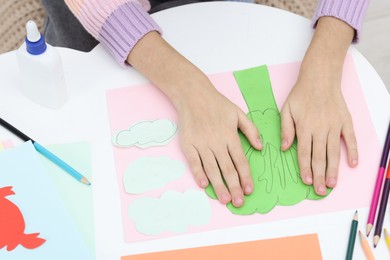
(35, 43)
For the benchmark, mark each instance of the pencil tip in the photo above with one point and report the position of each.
(368, 229)
(355, 216)
(85, 181)
(361, 235)
(376, 240)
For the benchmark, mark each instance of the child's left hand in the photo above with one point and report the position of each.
(315, 111)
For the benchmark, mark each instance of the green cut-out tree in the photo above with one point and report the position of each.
(275, 172)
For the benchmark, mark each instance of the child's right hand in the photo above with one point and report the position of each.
(208, 121)
(208, 124)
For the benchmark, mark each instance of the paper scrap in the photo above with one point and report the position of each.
(173, 212)
(42, 207)
(6, 145)
(12, 225)
(145, 134)
(79, 198)
(149, 173)
(292, 248)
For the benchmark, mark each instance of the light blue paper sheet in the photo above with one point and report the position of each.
(43, 209)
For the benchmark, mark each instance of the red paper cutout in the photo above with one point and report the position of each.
(12, 225)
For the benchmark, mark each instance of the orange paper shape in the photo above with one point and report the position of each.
(12, 225)
(292, 248)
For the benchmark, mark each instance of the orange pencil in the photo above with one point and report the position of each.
(366, 248)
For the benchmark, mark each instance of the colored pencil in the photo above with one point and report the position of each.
(382, 207)
(387, 238)
(352, 236)
(366, 248)
(49, 155)
(378, 183)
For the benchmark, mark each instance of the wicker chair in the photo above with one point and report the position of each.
(302, 7)
(15, 13)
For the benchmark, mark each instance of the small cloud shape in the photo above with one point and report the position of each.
(172, 212)
(145, 134)
(150, 173)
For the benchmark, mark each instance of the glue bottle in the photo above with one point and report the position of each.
(41, 70)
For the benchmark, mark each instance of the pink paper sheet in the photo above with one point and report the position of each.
(132, 104)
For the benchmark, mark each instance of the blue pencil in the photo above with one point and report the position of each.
(49, 155)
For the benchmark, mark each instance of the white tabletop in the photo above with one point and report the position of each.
(217, 37)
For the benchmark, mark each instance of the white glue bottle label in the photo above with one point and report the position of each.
(41, 70)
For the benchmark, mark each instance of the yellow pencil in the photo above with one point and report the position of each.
(387, 238)
(366, 248)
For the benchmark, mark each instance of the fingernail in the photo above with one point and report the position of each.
(248, 189)
(308, 180)
(225, 198)
(203, 183)
(332, 182)
(284, 143)
(354, 162)
(258, 141)
(321, 189)
(238, 202)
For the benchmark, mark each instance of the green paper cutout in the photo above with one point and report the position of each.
(77, 196)
(275, 172)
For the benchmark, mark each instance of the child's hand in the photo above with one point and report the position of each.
(208, 125)
(208, 121)
(316, 112)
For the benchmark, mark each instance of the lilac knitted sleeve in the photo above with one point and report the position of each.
(120, 24)
(117, 24)
(350, 11)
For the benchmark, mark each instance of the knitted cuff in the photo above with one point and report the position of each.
(124, 28)
(350, 11)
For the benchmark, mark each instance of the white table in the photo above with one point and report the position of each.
(217, 37)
